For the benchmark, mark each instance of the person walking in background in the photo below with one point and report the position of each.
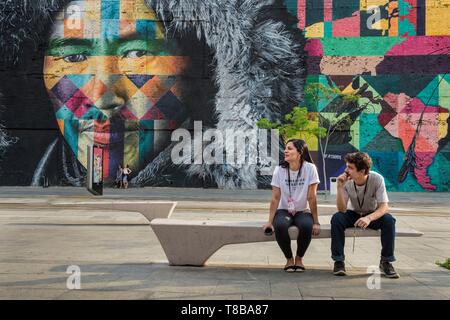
(119, 177)
(126, 176)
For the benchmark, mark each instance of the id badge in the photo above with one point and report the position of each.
(291, 207)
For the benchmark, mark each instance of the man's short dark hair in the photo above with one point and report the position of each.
(361, 160)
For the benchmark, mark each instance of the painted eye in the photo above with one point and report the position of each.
(75, 58)
(135, 53)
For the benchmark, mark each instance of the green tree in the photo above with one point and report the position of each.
(445, 264)
(297, 121)
(339, 117)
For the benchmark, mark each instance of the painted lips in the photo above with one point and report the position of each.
(102, 133)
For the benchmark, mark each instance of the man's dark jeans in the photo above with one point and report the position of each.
(343, 220)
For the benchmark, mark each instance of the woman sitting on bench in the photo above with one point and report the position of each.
(294, 186)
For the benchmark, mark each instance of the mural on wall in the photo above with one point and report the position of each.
(113, 81)
(395, 54)
(126, 74)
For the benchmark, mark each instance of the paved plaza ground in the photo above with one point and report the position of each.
(120, 257)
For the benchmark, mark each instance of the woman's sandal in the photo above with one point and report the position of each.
(290, 268)
(300, 268)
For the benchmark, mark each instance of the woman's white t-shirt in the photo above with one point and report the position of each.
(299, 185)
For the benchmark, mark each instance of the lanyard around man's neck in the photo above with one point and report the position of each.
(364, 195)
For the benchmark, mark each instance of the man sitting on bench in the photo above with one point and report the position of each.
(362, 202)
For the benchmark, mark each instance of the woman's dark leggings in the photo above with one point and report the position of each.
(304, 222)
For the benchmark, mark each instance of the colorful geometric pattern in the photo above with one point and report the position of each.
(403, 123)
(108, 19)
(396, 54)
(362, 18)
(114, 81)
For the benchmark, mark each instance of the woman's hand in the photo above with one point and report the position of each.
(316, 229)
(268, 225)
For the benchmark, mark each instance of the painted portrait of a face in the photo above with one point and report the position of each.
(113, 79)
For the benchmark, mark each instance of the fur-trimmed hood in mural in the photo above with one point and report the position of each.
(246, 62)
(5, 142)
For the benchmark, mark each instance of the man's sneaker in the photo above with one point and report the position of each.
(388, 269)
(339, 268)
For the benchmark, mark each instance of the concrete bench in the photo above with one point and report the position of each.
(148, 208)
(187, 242)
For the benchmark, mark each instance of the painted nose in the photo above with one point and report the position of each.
(107, 91)
(109, 101)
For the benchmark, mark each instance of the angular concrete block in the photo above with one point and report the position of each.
(187, 242)
(149, 209)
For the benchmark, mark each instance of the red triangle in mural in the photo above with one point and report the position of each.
(385, 117)
(153, 114)
(127, 114)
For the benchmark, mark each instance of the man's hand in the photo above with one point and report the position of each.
(363, 222)
(316, 229)
(342, 179)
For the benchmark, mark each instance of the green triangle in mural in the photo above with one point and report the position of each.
(408, 84)
(291, 6)
(384, 142)
(324, 103)
(390, 179)
(430, 94)
(386, 164)
(355, 134)
(331, 106)
(444, 147)
(371, 107)
(444, 92)
(369, 129)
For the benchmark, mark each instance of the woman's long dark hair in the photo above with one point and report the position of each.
(302, 148)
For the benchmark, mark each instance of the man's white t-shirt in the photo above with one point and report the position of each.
(375, 194)
(299, 185)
